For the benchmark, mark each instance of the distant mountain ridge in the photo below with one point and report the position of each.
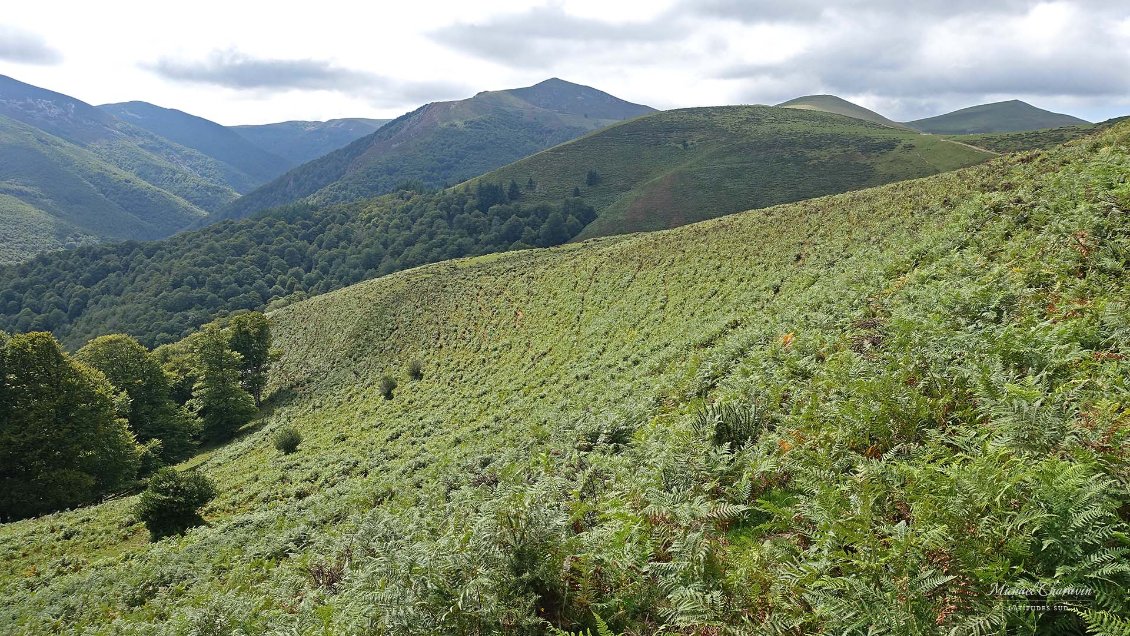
(72, 174)
(184, 172)
(840, 106)
(446, 142)
(300, 141)
(998, 117)
(250, 165)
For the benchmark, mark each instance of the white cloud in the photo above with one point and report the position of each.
(24, 47)
(237, 63)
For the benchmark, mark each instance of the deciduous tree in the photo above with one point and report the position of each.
(152, 415)
(61, 442)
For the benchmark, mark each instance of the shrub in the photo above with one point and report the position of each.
(287, 440)
(730, 424)
(416, 370)
(388, 385)
(171, 501)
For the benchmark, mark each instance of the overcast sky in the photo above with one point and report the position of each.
(249, 61)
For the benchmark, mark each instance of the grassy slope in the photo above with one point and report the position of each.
(438, 144)
(682, 166)
(737, 158)
(841, 316)
(75, 196)
(839, 106)
(999, 117)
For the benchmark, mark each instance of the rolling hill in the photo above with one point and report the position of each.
(1010, 116)
(1024, 140)
(300, 141)
(248, 164)
(840, 106)
(445, 142)
(653, 172)
(55, 195)
(687, 165)
(73, 174)
(870, 412)
(181, 171)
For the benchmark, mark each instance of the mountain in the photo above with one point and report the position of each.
(249, 165)
(71, 173)
(653, 172)
(54, 195)
(181, 171)
(687, 165)
(445, 142)
(300, 141)
(840, 106)
(870, 412)
(1011, 116)
(1042, 139)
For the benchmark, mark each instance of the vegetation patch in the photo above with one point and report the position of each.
(937, 372)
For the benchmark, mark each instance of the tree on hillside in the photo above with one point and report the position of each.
(553, 231)
(179, 363)
(171, 502)
(251, 338)
(489, 194)
(592, 178)
(217, 398)
(61, 443)
(152, 415)
(514, 192)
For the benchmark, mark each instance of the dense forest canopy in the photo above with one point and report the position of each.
(159, 292)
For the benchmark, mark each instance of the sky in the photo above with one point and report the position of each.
(249, 61)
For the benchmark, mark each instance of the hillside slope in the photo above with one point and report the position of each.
(300, 141)
(443, 143)
(998, 117)
(249, 164)
(181, 171)
(840, 106)
(54, 194)
(73, 174)
(654, 172)
(681, 166)
(1034, 139)
(872, 411)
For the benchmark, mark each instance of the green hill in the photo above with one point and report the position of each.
(1011, 116)
(248, 165)
(71, 173)
(54, 194)
(653, 172)
(443, 143)
(181, 171)
(840, 106)
(682, 166)
(1033, 139)
(871, 412)
(302, 141)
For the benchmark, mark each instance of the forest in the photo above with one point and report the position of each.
(159, 292)
(76, 428)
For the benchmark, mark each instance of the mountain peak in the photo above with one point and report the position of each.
(569, 98)
(839, 106)
(1008, 116)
